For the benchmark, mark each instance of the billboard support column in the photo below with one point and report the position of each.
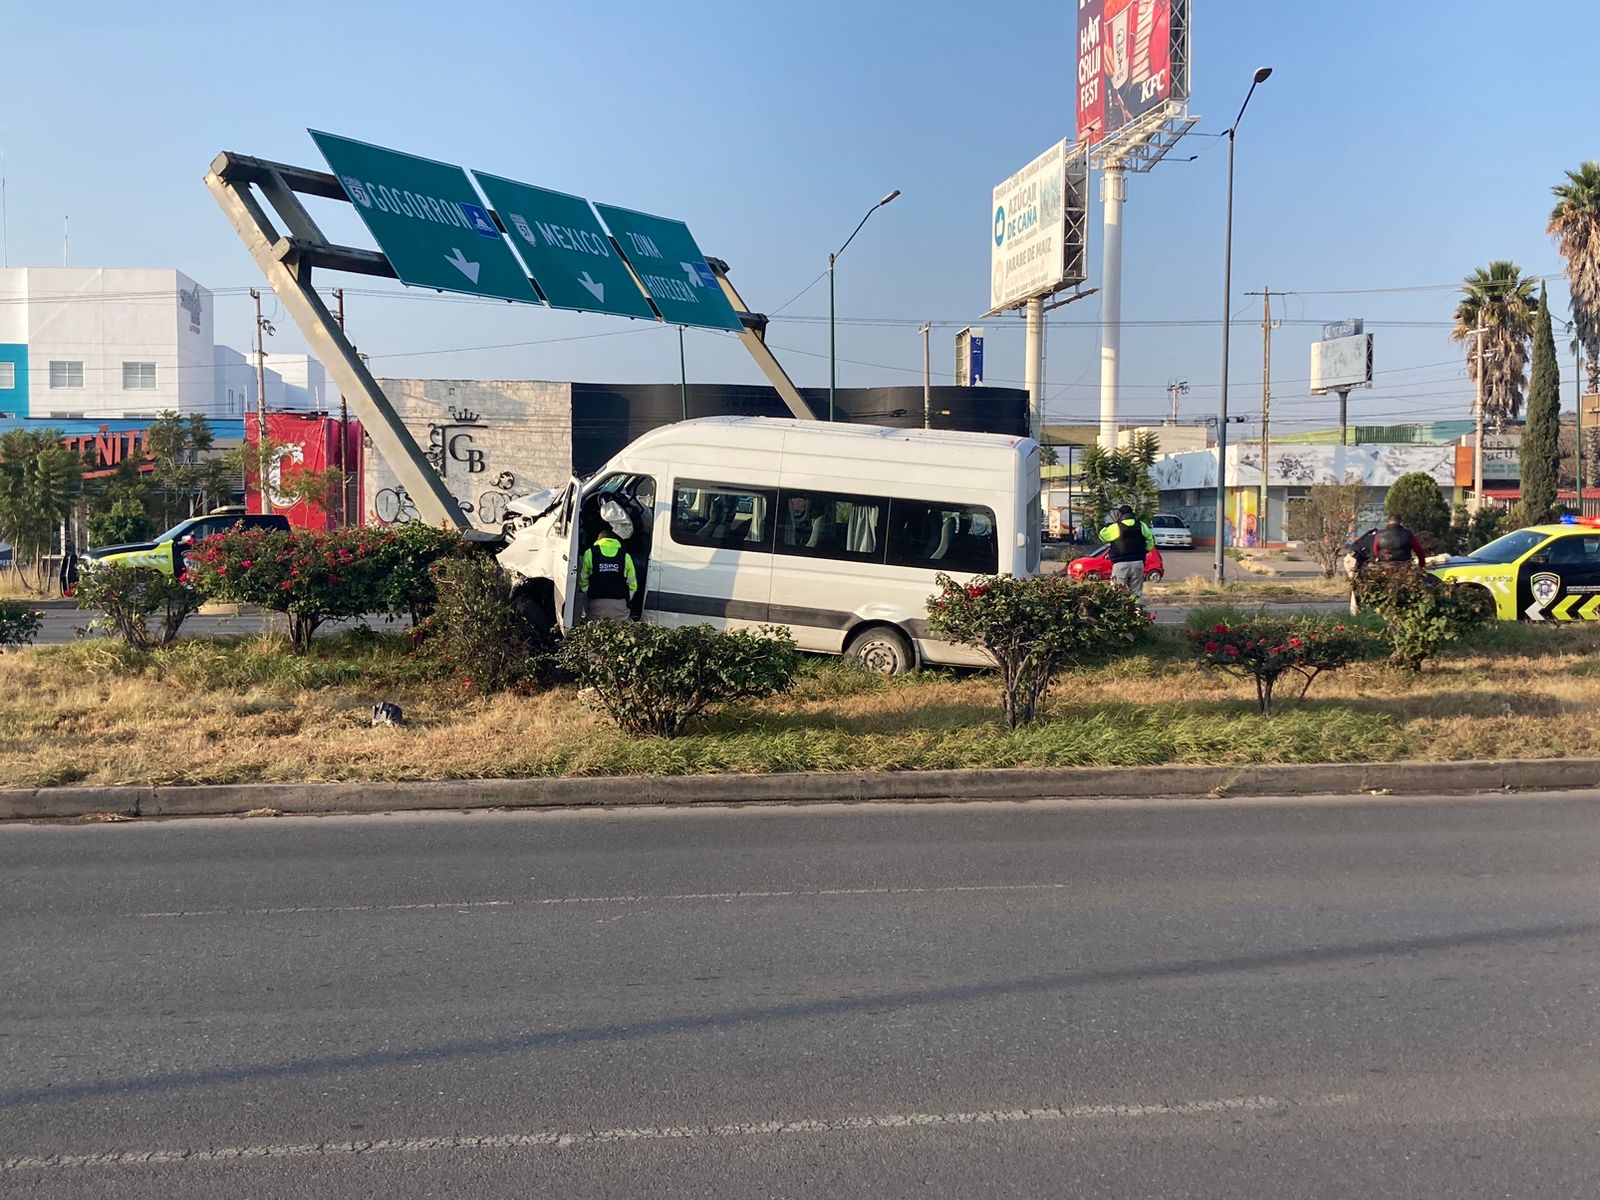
(1033, 369)
(1113, 192)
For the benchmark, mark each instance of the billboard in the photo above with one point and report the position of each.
(1132, 58)
(1037, 229)
(1342, 363)
(969, 356)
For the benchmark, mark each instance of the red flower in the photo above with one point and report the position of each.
(285, 585)
(1233, 650)
(1296, 642)
(1338, 628)
(1249, 645)
(333, 578)
(1211, 647)
(247, 563)
(1220, 629)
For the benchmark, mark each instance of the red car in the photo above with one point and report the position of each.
(1098, 566)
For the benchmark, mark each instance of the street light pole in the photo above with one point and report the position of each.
(833, 354)
(1261, 75)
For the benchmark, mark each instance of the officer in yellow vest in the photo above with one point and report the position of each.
(607, 579)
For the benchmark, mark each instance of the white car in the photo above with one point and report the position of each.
(1171, 532)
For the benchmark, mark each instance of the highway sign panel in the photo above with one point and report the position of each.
(669, 264)
(565, 248)
(427, 218)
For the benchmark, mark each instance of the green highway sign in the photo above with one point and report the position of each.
(566, 249)
(427, 218)
(671, 267)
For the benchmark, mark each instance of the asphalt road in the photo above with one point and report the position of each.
(1371, 998)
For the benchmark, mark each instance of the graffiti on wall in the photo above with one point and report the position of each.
(456, 457)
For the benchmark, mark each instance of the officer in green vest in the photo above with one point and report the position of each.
(607, 579)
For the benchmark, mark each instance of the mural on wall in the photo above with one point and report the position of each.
(453, 453)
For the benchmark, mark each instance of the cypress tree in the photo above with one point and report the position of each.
(1541, 439)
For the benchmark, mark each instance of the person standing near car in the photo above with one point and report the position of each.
(1131, 540)
(1395, 544)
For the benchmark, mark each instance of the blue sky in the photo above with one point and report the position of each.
(1392, 151)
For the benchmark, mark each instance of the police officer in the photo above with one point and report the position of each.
(607, 578)
(1131, 540)
(1394, 543)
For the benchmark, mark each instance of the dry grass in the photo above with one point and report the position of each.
(12, 587)
(239, 712)
(1201, 587)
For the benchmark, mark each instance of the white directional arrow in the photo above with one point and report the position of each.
(459, 261)
(597, 290)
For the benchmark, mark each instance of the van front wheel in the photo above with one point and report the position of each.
(882, 649)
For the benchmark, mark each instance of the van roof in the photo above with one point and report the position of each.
(726, 429)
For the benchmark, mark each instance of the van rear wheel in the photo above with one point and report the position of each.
(882, 649)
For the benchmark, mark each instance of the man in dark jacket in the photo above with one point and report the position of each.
(1395, 544)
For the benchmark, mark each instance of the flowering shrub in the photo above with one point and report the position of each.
(1034, 626)
(314, 575)
(1266, 648)
(1420, 611)
(130, 596)
(19, 624)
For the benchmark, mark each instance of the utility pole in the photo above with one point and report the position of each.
(262, 326)
(927, 378)
(344, 434)
(1477, 405)
(1176, 389)
(1113, 195)
(1267, 326)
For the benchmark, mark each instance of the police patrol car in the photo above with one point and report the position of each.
(1542, 573)
(165, 553)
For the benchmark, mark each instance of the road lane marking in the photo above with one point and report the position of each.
(647, 1133)
(667, 897)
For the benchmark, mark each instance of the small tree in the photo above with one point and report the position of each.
(1324, 520)
(131, 596)
(125, 521)
(1540, 452)
(1420, 612)
(1112, 478)
(654, 679)
(1415, 498)
(1034, 626)
(39, 484)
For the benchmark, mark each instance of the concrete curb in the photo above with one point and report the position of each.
(1171, 782)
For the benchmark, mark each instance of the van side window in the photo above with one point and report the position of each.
(943, 537)
(831, 525)
(721, 514)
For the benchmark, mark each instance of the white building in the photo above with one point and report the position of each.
(102, 343)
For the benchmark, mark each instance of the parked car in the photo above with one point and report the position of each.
(1172, 532)
(166, 551)
(1098, 566)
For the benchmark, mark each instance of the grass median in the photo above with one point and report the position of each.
(243, 710)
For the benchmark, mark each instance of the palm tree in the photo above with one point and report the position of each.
(1501, 302)
(1575, 224)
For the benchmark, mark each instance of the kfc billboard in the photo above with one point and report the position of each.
(1132, 58)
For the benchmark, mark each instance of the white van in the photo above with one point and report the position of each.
(836, 531)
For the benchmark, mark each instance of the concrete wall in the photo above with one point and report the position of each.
(490, 440)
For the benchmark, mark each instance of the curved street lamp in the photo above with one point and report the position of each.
(1261, 76)
(833, 359)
